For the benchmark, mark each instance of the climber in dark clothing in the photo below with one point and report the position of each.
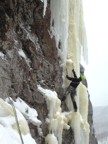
(75, 81)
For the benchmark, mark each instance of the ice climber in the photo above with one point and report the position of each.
(71, 89)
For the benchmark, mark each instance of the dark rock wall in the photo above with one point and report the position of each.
(23, 27)
(93, 139)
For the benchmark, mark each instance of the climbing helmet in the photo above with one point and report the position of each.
(82, 77)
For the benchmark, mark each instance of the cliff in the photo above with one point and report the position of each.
(29, 57)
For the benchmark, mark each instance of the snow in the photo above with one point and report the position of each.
(45, 6)
(29, 113)
(30, 36)
(8, 127)
(22, 54)
(10, 136)
(1, 55)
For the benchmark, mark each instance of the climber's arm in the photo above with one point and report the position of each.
(69, 78)
(74, 73)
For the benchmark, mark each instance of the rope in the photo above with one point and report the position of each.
(16, 118)
(15, 114)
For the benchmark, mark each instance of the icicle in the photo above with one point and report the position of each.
(83, 105)
(67, 26)
(83, 108)
(59, 27)
(75, 124)
(57, 120)
(52, 100)
(82, 35)
(76, 41)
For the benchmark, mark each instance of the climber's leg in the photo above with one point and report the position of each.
(75, 106)
(73, 100)
(66, 93)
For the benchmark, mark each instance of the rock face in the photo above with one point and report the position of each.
(93, 139)
(28, 57)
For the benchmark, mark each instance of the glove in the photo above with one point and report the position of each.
(72, 70)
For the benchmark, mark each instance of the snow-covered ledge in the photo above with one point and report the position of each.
(8, 126)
